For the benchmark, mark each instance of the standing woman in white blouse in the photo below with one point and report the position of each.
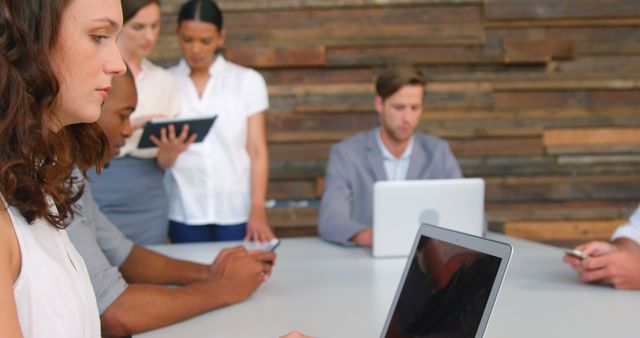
(57, 59)
(130, 191)
(217, 188)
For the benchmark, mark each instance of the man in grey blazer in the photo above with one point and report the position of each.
(392, 151)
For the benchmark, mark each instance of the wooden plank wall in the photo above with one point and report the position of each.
(539, 97)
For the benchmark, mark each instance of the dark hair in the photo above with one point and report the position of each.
(131, 7)
(201, 10)
(35, 162)
(393, 78)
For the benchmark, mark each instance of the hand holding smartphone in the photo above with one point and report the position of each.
(576, 253)
(265, 247)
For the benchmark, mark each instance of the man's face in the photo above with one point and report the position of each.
(114, 117)
(400, 113)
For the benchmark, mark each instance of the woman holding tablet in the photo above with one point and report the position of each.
(130, 191)
(217, 188)
(57, 59)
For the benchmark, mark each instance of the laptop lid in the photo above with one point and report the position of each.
(399, 207)
(449, 285)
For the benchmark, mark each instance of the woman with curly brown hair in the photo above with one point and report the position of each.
(57, 59)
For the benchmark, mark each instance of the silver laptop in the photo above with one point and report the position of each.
(399, 207)
(449, 285)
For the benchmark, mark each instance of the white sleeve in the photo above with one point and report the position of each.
(255, 90)
(630, 230)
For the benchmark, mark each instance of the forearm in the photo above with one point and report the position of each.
(147, 266)
(626, 244)
(145, 307)
(259, 179)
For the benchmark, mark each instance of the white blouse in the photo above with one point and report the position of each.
(210, 181)
(157, 94)
(53, 293)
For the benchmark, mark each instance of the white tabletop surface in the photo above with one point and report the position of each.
(329, 291)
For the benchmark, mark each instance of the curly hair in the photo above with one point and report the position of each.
(36, 163)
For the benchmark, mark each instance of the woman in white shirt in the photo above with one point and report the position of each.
(217, 188)
(57, 58)
(130, 190)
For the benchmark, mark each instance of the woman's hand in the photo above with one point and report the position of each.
(170, 146)
(257, 227)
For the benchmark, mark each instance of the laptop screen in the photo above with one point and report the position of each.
(445, 291)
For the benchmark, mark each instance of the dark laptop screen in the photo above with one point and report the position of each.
(445, 292)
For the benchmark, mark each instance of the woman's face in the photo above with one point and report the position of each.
(140, 33)
(85, 58)
(199, 41)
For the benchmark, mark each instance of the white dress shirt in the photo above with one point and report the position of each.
(396, 168)
(630, 230)
(157, 94)
(210, 181)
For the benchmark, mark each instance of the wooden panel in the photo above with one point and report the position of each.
(271, 57)
(538, 50)
(496, 147)
(241, 5)
(381, 56)
(292, 189)
(292, 217)
(583, 230)
(595, 136)
(504, 78)
(581, 210)
(555, 9)
(563, 188)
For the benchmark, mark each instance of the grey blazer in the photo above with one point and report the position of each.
(355, 164)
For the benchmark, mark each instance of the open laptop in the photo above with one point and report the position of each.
(449, 285)
(399, 207)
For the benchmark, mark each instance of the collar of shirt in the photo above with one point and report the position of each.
(386, 154)
(395, 168)
(216, 67)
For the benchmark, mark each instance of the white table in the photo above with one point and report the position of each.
(330, 291)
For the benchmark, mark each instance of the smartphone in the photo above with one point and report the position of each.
(272, 245)
(576, 253)
(265, 247)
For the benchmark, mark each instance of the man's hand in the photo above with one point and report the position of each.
(621, 269)
(363, 238)
(592, 249)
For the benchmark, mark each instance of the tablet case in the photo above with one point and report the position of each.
(200, 126)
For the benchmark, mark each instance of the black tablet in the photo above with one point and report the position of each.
(200, 126)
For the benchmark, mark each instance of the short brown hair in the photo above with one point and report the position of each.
(393, 78)
(131, 7)
(35, 162)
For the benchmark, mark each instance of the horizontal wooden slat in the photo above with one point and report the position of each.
(593, 149)
(584, 230)
(501, 212)
(537, 50)
(357, 57)
(292, 217)
(551, 9)
(591, 136)
(614, 159)
(562, 188)
(272, 57)
(292, 189)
